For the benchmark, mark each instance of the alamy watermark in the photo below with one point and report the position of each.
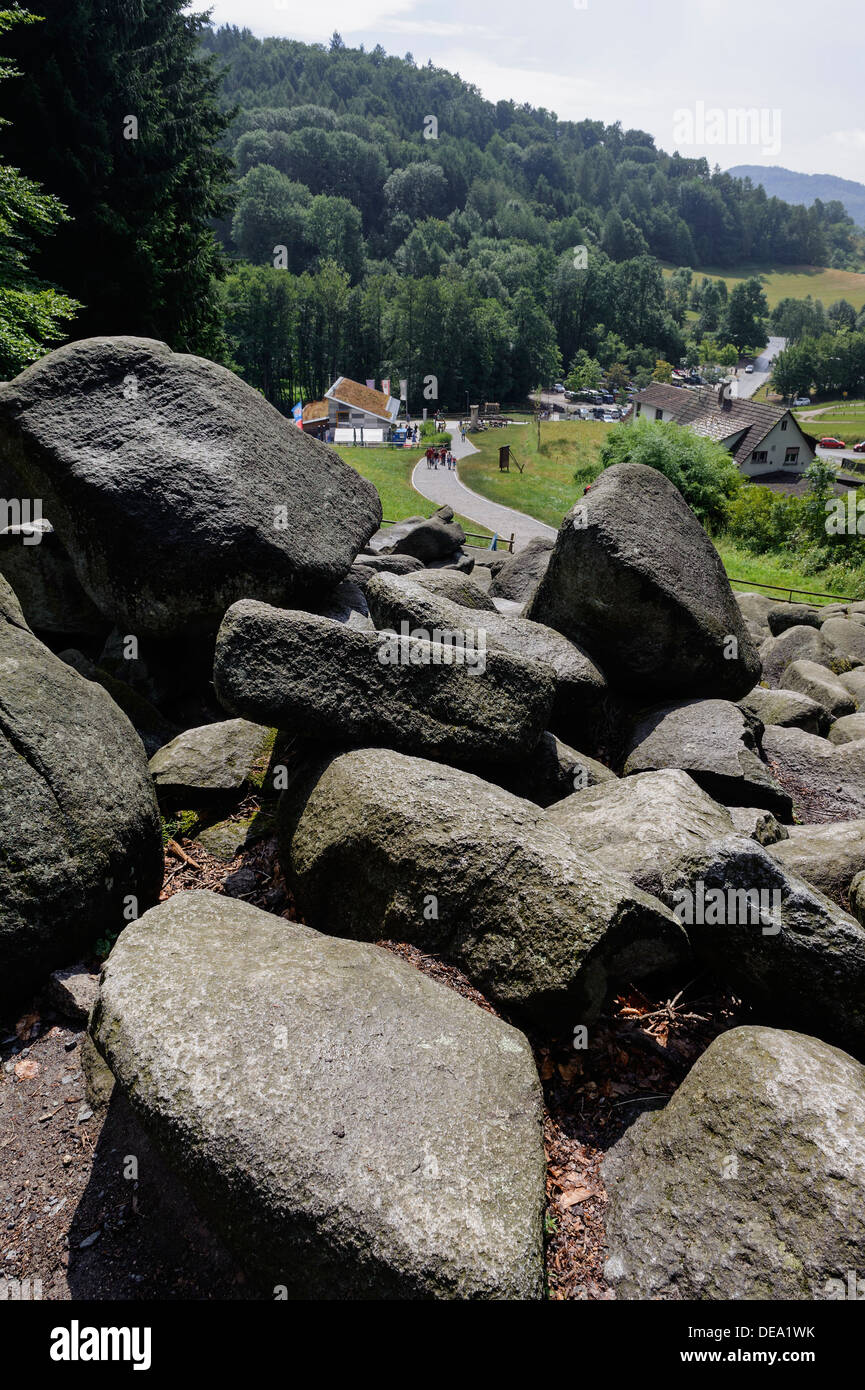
(717, 907)
(737, 125)
(24, 513)
(439, 646)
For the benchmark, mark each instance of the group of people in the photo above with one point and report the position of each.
(440, 457)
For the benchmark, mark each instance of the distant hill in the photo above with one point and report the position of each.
(804, 188)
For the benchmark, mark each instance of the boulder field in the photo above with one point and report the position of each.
(546, 779)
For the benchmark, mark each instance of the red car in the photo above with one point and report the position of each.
(860, 447)
(829, 442)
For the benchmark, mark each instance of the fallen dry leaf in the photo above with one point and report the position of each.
(26, 1069)
(576, 1194)
(26, 1026)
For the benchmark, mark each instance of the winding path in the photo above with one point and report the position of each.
(442, 485)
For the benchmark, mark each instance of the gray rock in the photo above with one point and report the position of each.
(819, 685)
(456, 587)
(426, 538)
(786, 707)
(856, 895)
(321, 679)
(643, 825)
(44, 579)
(389, 564)
(785, 947)
(73, 991)
(754, 609)
(347, 604)
(796, 644)
(80, 838)
(355, 1129)
(175, 487)
(226, 839)
(750, 1184)
(759, 825)
(847, 637)
(854, 681)
(635, 580)
(149, 724)
(212, 763)
(785, 615)
(522, 572)
(581, 690)
(826, 780)
(826, 856)
(386, 846)
(714, 741)
(848, 729)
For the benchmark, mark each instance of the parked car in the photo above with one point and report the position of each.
(860, 447)
(749, 368)
(559, 388)
(830, 442)
(607, 397)
(802, 400)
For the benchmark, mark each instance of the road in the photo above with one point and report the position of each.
(443, 486)
(752, 381)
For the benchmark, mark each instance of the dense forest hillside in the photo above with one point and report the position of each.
(429, 232)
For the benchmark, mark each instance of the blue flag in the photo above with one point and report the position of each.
(297, 411)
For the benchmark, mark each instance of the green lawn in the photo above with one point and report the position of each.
(754, 570)
(795, 281)
(390, 471)
(546, 489)
(845, 419)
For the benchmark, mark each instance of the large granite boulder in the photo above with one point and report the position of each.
(819, 684)
(850, 728)
(635, 580)
(175, 487)
(311, 676)
(716, 743)
(80, 839)
(787, 708)
(847, 637)
(854, 681)
(355, 1129)
(750, 1184)
(799, 643)
(387, 846)
(826, 856)
(582, 697)
(458, 588)
(42, 575)
(520, 574)
(784, 615)
(436, 537)
(642, 826)
(826, 780)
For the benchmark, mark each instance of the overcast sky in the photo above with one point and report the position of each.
(644, 62)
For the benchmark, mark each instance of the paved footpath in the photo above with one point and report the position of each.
(442, 485)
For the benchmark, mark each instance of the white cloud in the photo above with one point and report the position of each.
(850, 139)
(297, 19)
